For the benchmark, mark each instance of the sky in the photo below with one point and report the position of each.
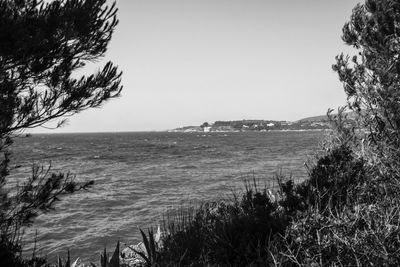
(186, 62)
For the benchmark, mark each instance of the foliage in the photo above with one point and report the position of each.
(371, 79)
(363, 235)
(67, 262)
(227, 233)
(104, 261)
(152, 256)
(113, 262)
(205, 124)
(333, 182)
(10, 258)
(41, 45)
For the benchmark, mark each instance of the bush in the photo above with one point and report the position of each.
(335, 181)
(363, 235)
(227, 233)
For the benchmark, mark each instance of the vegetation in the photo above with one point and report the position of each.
(347, 213)
(41, 45)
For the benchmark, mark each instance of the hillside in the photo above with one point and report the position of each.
(320, 122)
(312, 123)
(314, 119)
(324, 118)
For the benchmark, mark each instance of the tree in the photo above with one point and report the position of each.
(205, 124)
(371, 78)
(371, 81)
(41, 45)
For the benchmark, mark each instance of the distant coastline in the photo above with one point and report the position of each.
(318, 123)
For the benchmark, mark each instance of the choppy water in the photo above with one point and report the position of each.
(138, 176)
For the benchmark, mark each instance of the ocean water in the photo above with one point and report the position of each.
(140, 176)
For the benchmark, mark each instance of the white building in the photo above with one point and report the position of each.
(207, 129)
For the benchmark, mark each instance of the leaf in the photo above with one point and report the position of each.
(68, 262)
(103, 258)
(114, 261)
(145, 242)
(152, 253)
(75, 263)
(59, 262)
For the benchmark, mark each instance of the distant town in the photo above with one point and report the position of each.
(312, 123)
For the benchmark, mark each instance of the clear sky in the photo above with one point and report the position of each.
(190, 61)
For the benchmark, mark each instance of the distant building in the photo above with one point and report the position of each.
(270, 124)
(207, 129)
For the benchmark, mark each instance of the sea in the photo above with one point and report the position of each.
(139, 177)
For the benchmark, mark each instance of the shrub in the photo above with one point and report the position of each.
(363, 235)
(335, 181)
(227, 233)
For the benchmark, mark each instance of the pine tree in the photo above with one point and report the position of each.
(371, 81)
(42, 44)
(372, 78)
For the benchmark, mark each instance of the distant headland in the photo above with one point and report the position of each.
(311, 123)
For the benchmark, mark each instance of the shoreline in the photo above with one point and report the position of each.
(283, 130)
